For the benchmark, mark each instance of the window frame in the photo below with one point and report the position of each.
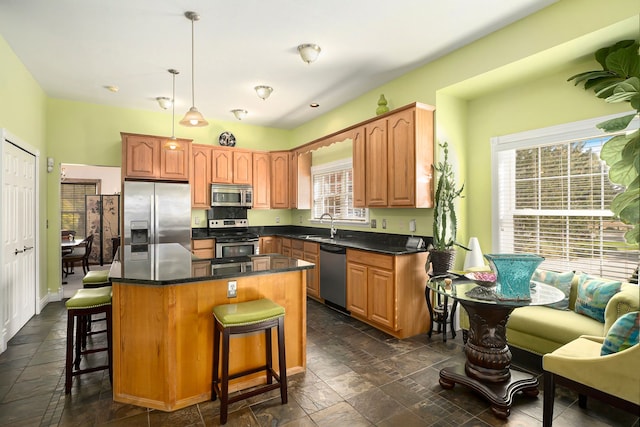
(553, 135)
(335, 166)
(97, 183)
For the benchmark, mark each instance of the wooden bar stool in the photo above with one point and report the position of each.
(242, 318)
(80, 307)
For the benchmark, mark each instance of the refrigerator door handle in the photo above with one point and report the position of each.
(156, 220)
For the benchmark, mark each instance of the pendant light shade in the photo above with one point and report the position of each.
(239, 113)
(193, 117)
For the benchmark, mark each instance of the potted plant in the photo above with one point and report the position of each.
(619, 81)
(445, 221)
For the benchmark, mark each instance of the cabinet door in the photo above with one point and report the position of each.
(313, 276)
(261, 181)
(382, 299)
(267, 245)
(201, 176)
(376, 163)
(174, 160)
(222, 166)
(142, 154)
(359, 168)
(280, 180)
(357, 289)
(242, 167)
(203, 248)
(201, 268)
(293, 180)
(401, 158)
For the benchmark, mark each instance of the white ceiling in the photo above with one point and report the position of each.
(75, 48)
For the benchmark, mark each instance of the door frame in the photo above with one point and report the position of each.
(7, 137)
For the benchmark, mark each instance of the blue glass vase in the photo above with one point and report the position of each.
(514, 273)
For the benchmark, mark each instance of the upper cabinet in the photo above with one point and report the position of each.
(261, 180)
(201, 176)
(154, 157)
(393, 159)
(231, 166)
(280, 179)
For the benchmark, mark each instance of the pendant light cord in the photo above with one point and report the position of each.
(173, 106)
(193, 78)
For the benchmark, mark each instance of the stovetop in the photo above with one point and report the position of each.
(232, 235)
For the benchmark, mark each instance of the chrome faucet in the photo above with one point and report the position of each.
(333, 229)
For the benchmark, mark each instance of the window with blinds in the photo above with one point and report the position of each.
(73, 205)
(552, 196)
(333, 192)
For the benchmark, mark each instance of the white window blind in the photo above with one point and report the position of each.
(73, 205)
(333, 192)
(552, 196)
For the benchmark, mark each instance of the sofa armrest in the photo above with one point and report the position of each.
(623, 302)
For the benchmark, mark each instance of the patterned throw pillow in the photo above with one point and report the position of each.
(623, 334)
(560, 281)
(593, 295)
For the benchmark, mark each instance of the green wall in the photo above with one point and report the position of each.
(23, 114)
(509, 81)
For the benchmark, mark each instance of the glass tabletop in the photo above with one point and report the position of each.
(468, 291)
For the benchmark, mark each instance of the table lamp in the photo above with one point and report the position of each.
(474, 258)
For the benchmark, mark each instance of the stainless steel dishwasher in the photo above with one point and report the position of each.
(333, 276)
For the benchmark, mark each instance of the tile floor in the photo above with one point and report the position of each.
(356, 376)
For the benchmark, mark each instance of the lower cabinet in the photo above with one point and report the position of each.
(387, 291)
(308, 251)
(204, 248)
(270, 245)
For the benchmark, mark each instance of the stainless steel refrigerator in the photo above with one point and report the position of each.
(157, 212)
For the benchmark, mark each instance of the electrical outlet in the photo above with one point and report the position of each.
(197, 220)
(384, 224)
(374, 223)
(277, 220)
(232, 289)
(300, 219)
(412, 225)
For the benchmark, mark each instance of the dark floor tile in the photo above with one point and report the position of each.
(340, 414)
(20, 410)
(314, 396)
(189, 416)
(273, 413)
(375, 405)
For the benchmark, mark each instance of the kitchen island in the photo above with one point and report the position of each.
(163, 299)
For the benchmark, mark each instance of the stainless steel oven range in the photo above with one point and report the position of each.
(230, 227)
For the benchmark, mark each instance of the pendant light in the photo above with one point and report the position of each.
(309, 52)
(193, 117)
(172, 142)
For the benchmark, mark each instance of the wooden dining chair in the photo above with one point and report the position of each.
(80, 254)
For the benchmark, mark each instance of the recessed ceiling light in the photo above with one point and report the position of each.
(111, 88)
(314, 105)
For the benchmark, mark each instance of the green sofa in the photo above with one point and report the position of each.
(541, 330)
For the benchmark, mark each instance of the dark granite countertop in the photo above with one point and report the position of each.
(391, 244)
(171, 263)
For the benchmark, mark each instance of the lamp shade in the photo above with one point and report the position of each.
(474, 258)
(164, 102)
(309, 52)
(193, 118)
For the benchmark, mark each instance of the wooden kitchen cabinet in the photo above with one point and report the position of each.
(311, 253)
(393, 159)
(261, 180)
(300, 194)
(286, 246)
(201, 176)
(387, 291)
(279, 180)
(372, 293)
(231, 166)
(270, 245)
(155, 157)
(204, 248)
(201, 268)
(376, 163)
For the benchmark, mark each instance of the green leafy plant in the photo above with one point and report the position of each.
(445, 221)
(619, 81)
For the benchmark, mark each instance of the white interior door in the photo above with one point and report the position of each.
(18, 289)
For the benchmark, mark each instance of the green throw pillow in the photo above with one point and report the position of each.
(593, 295)
(622, 335)
(560, 281)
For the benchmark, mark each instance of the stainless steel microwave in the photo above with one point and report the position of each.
(231, 195)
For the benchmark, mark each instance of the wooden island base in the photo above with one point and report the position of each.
(163, 337)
